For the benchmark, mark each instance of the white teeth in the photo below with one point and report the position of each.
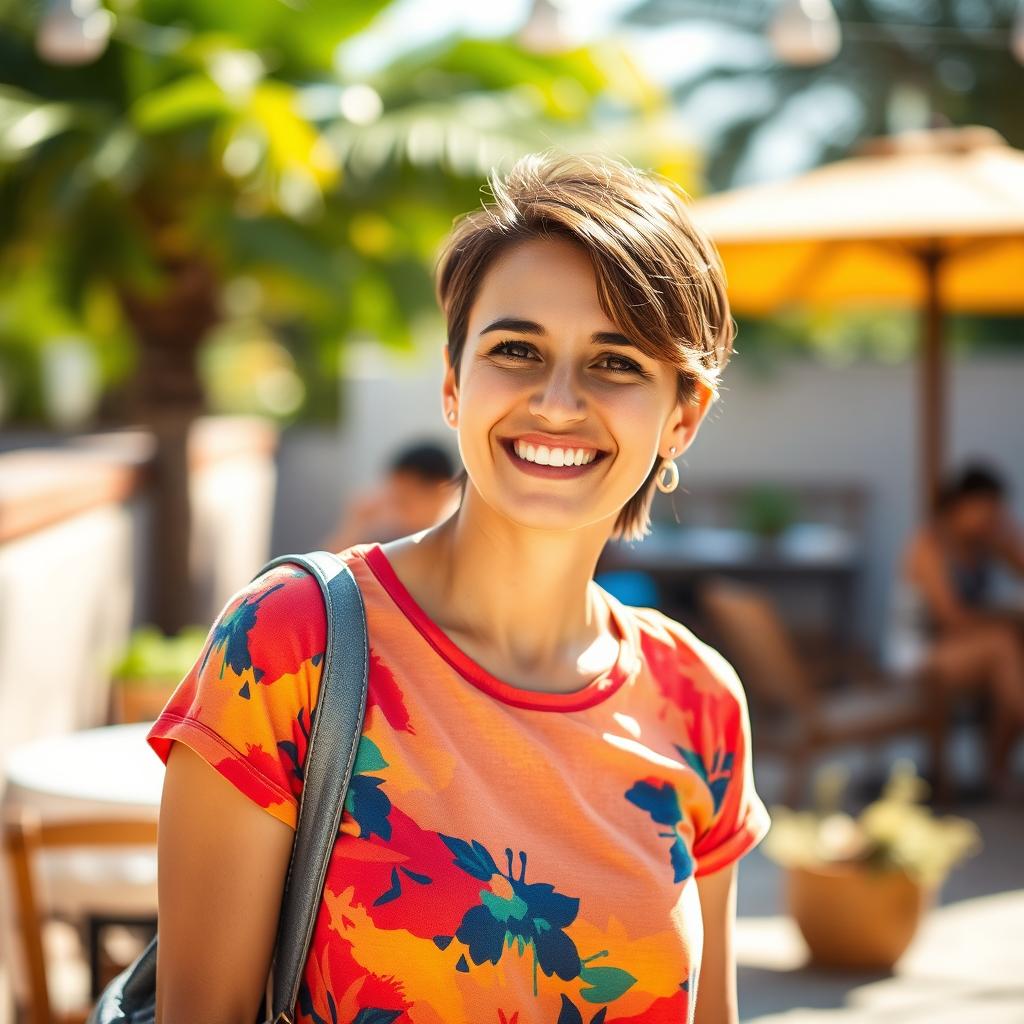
(542, 455)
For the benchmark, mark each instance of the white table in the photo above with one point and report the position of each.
(109, 771)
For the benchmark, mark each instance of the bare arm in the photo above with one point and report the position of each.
(929, 574)
(221, 868)
(1010, 545)
(716, 990)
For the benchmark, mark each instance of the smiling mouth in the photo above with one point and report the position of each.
(508, 443)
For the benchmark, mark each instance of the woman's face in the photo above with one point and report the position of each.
(557, 370)
(977, 519)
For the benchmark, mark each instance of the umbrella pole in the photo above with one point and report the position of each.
(932, 382)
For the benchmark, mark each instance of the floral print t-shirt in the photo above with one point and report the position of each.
(505, 856)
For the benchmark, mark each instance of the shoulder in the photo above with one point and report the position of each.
(273, 624)
(685, 668)
(281, 614)
(282, 598)
(246, 704)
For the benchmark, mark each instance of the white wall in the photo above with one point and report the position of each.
(800, 422)
(232, 507)
(66, 595)
(388, 401)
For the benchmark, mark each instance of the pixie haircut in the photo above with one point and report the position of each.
(659, 278)
(973, 481)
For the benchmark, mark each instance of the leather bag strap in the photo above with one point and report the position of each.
(337, 722)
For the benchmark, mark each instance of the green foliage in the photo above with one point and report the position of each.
(767, 511)
(230, 136)
(34, 320)
(963, 74)
(840, 337)
(895, 832)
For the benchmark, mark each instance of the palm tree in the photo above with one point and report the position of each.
(214, 141)
(952, 55)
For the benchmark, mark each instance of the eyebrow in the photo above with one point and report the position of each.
(532, 327)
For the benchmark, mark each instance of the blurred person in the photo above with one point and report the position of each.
(947, 620)
(417, 492)
(552, 789)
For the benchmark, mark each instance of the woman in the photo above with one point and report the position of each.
(552, 789)
(946, 621)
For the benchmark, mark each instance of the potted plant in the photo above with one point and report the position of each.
(858, 887)
(767, 512)
(152, 666)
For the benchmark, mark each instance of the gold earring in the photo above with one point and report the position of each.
(668, 486)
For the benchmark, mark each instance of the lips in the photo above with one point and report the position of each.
(553, 441)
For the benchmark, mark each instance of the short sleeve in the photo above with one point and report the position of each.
(244, 706)
(740, 820)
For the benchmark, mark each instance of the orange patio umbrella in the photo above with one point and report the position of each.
(933, 219)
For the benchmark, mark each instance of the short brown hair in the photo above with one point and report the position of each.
(659, 278)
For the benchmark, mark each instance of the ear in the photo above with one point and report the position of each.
(685, 421)
(449, 391)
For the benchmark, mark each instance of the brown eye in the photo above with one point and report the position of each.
(627, 365)
(504, 348)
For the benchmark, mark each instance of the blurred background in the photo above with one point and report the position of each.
(219, 343)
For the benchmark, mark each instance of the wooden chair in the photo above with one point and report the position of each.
(800, 720)
(25, 839)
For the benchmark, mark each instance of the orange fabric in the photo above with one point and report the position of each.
(505, 856)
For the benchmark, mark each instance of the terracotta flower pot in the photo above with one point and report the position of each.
(139, 700)
(853, 917)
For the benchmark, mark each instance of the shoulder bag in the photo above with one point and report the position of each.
(337, 722)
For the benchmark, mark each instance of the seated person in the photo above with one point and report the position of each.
(946, 622)
(416, 493)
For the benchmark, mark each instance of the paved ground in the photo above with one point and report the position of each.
(966, 965)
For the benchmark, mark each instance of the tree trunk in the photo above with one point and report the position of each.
(168, 397)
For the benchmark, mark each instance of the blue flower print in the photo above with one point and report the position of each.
(660, 800)
(515, 912)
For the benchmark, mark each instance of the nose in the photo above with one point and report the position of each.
(557, 399)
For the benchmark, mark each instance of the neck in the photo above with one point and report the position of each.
(525, 595)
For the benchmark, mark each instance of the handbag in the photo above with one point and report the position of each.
(336, 725)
